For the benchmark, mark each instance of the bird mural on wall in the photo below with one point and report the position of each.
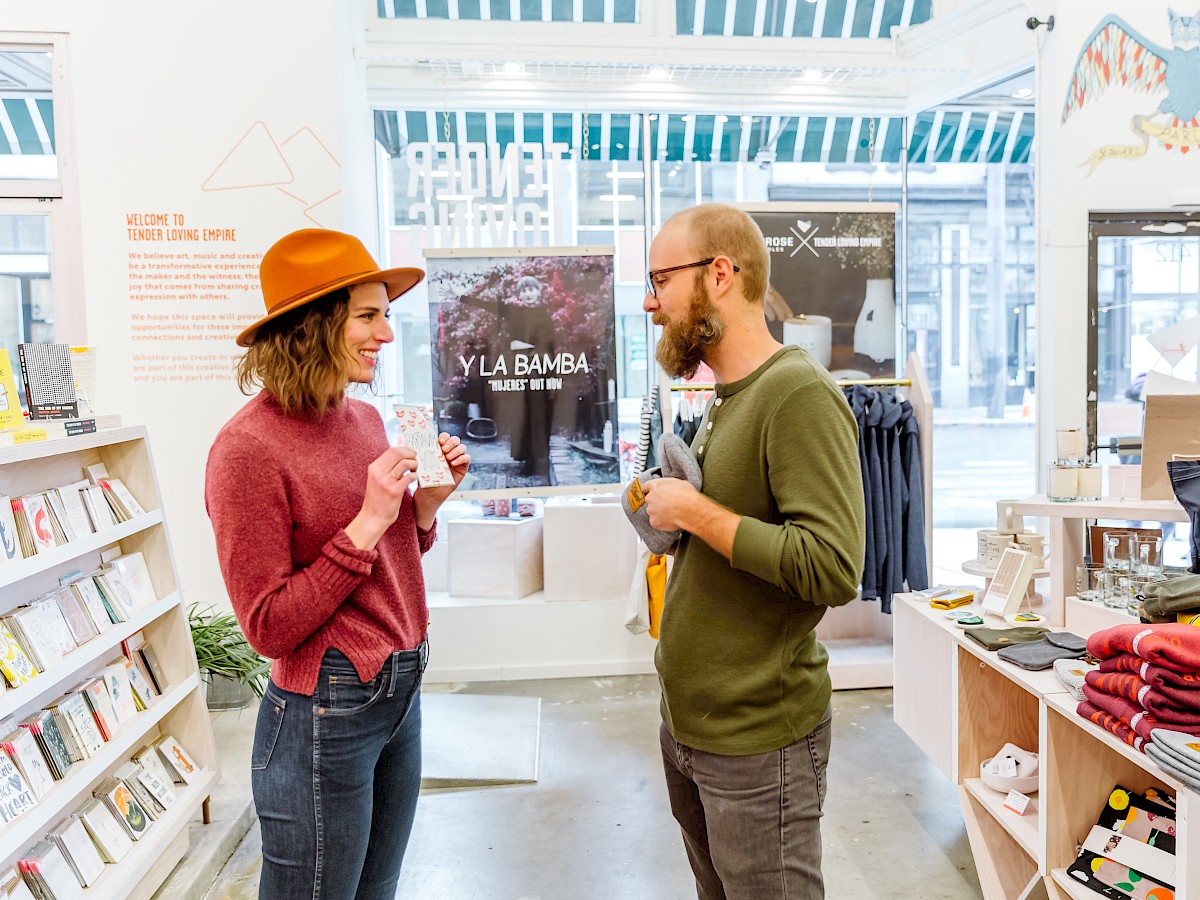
(1117, 55)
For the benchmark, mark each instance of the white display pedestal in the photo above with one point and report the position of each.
(495, 558)
(589, 550)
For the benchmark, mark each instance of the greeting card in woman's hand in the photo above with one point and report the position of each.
(419, 433)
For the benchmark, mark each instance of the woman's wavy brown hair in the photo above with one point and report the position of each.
(301, 358)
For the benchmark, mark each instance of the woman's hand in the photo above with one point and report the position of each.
(428, 499)
(388, 480)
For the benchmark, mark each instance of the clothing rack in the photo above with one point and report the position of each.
(877, 382)
(858, 636)
(868, 382)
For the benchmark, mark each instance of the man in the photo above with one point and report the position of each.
(775, 538)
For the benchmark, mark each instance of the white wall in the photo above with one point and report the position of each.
(160, 96)
(1067, 190)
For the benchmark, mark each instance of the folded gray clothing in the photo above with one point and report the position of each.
(1175, 595)
(1168, 765)
(1037, 655)
(1067, 641)
(1072, 673)
(1177, 765)
(677, 462)
(1185, 747)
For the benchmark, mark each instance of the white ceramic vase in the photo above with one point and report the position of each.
(875, 330)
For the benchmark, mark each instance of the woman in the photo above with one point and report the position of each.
(320, 544)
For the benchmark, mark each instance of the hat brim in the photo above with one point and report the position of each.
(397, 281)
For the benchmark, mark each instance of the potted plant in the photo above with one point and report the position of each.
(234, 674)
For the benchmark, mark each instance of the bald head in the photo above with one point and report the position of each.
(717, 229)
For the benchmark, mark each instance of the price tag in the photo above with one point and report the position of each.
(1016, 802)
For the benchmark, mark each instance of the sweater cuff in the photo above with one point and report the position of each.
(755, 549)
(425, 539)
(341, 551)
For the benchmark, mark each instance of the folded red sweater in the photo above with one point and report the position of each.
(1183, 687)
(1135, 716)
(1175, 647)
(1110, 723)
(1129, 686)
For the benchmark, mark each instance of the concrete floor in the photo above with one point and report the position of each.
(597, 827)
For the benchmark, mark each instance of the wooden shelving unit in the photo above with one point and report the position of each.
(180, 710)
(961, 703)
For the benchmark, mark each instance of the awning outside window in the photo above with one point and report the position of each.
(937, 137)
(732, 18)
(26, 126)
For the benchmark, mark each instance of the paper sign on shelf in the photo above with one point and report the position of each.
(1016, 802)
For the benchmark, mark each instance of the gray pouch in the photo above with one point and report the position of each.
(677, 462)
(1037, 655)
(1067, 641)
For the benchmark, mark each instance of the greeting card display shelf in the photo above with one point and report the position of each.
(180, 711)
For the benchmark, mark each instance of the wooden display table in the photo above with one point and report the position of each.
(961, 703)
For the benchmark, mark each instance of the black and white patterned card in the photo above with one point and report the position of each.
(49, 381)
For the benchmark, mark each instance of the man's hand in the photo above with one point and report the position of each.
(669, 502)
(673, 503)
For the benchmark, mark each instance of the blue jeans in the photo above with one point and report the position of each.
(335, 778)
(752, 824)
(1185, 480)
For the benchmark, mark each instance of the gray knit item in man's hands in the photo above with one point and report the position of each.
(677, 462)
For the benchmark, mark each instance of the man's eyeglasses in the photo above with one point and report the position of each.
(655, 273)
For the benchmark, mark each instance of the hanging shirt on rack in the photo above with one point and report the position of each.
(890, 456)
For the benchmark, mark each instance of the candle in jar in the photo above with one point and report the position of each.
(1089, 482)
(1071, 444)
(1063, 483)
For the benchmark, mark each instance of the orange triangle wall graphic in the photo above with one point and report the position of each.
(254, 161)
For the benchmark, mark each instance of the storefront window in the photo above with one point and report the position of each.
(972, 322)
(26, 301)
(970, 279)
(30, 211)
(1144, 295)
(514, 180)
(27, 137)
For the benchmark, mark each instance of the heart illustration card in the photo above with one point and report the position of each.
(419, 433)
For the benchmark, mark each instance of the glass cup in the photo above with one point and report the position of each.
(1148, 561)
(1089, 583)
(1120, 550)
(1117, 590)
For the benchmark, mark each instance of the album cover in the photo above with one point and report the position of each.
(49, 381)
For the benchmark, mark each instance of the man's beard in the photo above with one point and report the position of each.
(683, 344)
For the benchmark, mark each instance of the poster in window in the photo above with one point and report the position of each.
(524, 366)
(833, 283)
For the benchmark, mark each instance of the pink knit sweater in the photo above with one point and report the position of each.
(280, 491)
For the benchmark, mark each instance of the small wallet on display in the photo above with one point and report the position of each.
(948, 597)
(1038, 655)
(999, 638)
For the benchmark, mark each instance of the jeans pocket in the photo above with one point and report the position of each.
(266, 730)
(818, 750)
(344, 694)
